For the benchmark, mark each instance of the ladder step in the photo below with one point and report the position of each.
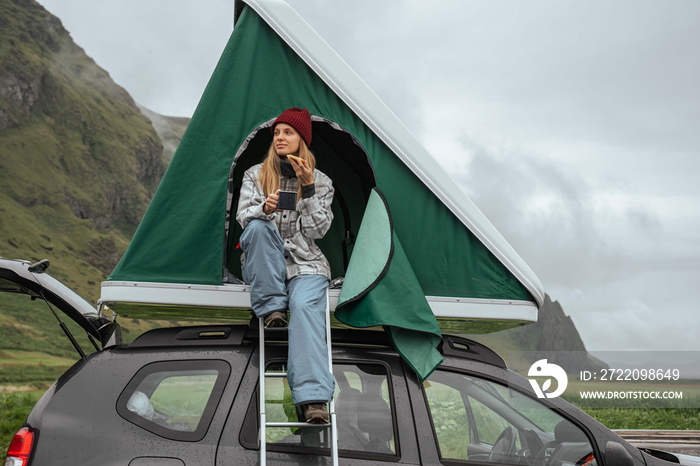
(276, 374)
(272, 330)
(295, 424)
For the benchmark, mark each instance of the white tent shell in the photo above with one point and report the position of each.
(357, 95)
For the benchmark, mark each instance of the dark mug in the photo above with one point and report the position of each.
(287, 200)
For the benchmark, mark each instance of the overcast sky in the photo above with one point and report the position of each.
(573, 125)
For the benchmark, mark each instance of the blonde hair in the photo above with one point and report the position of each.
(270, 173)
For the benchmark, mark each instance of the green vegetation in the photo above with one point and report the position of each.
(79, 160)
(33, 354)
(654, 418)
(450, 417)
(675, 414)
(30, 326)
(31, 369)
(183, 395)
(14, 409)
(79, 163)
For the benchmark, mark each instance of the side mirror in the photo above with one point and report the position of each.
(617, 455)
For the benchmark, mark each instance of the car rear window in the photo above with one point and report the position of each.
(175, 399)
(364, 410)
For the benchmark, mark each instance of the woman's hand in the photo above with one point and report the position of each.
(302, 170)
(271, 203)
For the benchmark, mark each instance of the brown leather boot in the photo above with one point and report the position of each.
(276, 319)
(315, 413)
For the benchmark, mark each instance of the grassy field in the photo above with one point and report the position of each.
(14, 409)
(681, 414)
(653, 418)
(30, 368)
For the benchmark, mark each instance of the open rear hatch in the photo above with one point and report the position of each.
(23, 277)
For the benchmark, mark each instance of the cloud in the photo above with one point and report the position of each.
(606, 256)
(652, 310)
(551, 215)
(162, 51)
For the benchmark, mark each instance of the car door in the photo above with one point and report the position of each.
(375, 424)
(478, 419)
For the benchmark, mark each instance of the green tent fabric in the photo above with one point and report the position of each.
(381, 289)
(181, 238)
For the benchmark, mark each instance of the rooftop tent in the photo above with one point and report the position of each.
(470, 277)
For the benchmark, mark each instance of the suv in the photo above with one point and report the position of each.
(188, 395)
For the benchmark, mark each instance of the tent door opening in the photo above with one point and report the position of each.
(340, 156)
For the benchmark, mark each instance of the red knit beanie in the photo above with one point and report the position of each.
(298, 119)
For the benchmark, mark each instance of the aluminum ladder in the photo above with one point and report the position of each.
(332, 426)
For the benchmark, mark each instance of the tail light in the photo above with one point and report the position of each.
(20, 448)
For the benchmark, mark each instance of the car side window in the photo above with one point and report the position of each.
(174, 399)
(450, 420)
(364, 411)
(477, 420)
(487, 422)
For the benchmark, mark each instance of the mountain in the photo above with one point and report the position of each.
(553, 337)
(79, 162)
(170, 130)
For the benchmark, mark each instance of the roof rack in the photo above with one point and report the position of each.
(209, 335)
(217, 335)
(234, 335)
(453, 345)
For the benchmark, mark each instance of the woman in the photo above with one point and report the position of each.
(281, 262)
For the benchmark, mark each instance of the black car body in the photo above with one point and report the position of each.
(188, 396)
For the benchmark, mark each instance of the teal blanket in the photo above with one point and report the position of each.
(381, 289)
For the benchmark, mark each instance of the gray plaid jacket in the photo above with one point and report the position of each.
(298, 228)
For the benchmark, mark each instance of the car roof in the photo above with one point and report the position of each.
(235, 335)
